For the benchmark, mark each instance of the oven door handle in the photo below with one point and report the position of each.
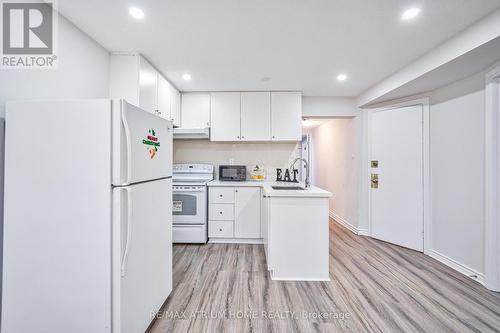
(189, 189)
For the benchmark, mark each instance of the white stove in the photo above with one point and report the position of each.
(189, 205)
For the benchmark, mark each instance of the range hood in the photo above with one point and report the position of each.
(192, 133)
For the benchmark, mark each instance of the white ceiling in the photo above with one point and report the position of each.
(298, 44)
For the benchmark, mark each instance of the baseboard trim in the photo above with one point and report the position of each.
(282, 278)
(458, 266)
(235, 240)
(343, 222)
(363, 232)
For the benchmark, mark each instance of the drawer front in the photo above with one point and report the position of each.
(222, 195)
(220, 229)
(222, 212)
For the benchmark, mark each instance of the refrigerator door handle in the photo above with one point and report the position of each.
(127, 143)
(129, 233)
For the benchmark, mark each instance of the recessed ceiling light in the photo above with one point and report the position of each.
(136, 13)
(186, 77)
(342, 77)
(410, 13)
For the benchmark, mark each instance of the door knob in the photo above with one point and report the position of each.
(374, 181)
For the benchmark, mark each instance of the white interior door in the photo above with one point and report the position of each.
(397, 210)
(142, 252)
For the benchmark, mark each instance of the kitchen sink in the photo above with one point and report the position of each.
(290, 188)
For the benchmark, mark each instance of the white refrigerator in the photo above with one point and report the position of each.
(88, 217)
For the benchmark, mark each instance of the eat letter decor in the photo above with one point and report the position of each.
(286, 177)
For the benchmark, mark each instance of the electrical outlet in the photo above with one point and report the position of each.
(231, 161)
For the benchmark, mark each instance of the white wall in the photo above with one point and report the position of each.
(457, 171)
(329, 106)
(82, 72)
(271, 155)
(336, 152)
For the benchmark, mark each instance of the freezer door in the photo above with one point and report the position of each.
(142, 145)
(142, 253)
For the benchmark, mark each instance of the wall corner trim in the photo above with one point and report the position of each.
(492, 179)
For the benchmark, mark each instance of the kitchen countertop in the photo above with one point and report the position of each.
(312, 191)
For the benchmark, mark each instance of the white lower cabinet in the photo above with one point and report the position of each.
(220, 229)
(264, 227)
(247, 212)
(222, 212)
(234, 213)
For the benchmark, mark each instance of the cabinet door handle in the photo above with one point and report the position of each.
(274, 137)
(220, 195)
(220, 229)
(242, 137)
(220, 213)
(238, 137)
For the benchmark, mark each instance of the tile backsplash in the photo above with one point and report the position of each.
(269, 155)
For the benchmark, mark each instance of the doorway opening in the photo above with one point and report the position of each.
(332, 146)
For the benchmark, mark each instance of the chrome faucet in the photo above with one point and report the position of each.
(306, 165)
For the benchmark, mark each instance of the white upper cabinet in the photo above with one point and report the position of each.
(286, 116)
(195, 110)
(168, 101)
(164, 98)
(133, 78)
(148, 86)
(255, 116)
(124, 78)
(175, 106)
(225, 116)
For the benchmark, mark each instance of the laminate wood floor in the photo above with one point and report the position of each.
(374, 287)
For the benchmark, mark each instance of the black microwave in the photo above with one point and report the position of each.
(232, 173)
